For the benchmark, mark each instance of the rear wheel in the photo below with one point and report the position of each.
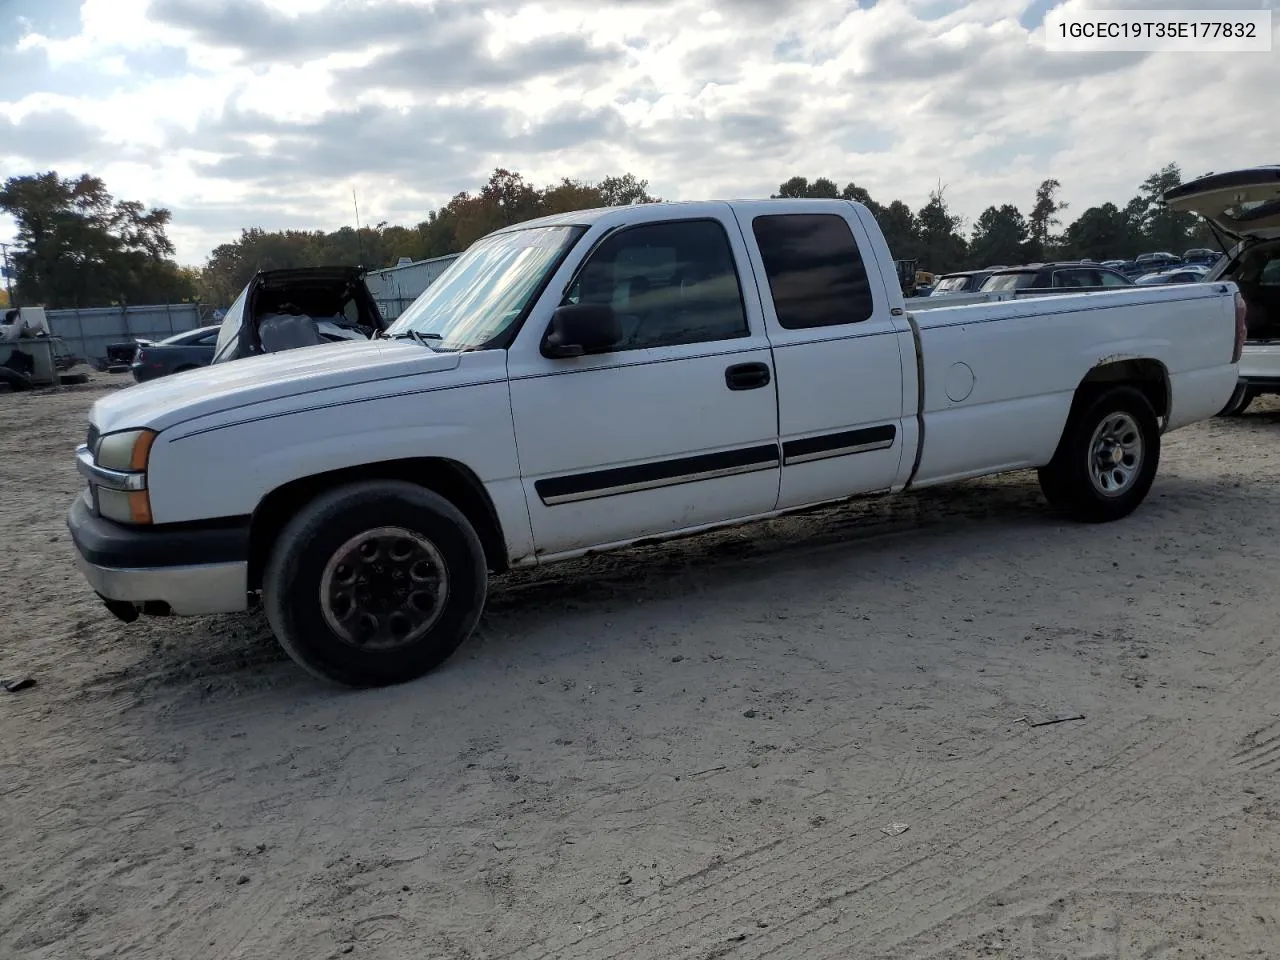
(1107, 458)
(1241, 397)
(375, 583)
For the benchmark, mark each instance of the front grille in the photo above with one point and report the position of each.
(92, 441)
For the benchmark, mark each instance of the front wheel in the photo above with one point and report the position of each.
(375, 583)
(1107, 458)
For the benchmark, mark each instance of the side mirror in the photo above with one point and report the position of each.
(582, 328)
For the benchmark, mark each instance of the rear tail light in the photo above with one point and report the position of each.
(1242, 327)
(140, 356)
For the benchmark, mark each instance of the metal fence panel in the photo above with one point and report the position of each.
(86, 332)
(394, 288)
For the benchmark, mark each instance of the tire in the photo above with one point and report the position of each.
(184, 369)
(1241, 397)
(17, 382)
(307, 560)
(1074, 481)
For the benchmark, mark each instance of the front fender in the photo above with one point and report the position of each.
(199, 472)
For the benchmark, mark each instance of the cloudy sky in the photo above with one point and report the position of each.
(269, 113)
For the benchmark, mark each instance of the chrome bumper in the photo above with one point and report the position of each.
(188, 591)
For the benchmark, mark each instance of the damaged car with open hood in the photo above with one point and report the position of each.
(1242, 208)
(298, 307)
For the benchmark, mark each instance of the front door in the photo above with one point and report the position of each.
(844, 421)
(674, 429)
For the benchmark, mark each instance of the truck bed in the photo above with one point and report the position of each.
(998, 378)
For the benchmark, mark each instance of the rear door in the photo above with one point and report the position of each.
(837, 350)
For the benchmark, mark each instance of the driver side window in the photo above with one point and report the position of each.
(668, 283)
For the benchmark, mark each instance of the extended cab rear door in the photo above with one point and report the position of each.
(838, 351)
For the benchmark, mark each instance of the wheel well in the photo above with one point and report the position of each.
(453, 481)
(1148, 376)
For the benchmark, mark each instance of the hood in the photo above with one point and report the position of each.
(184, 396)
(1243, 204)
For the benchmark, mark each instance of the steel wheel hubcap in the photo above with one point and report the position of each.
(1115, 455)
(384, 588)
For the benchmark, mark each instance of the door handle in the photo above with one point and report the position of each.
(747, 376)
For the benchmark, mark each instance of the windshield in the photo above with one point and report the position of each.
(485, 291)
(951, 284)
(1008, 281)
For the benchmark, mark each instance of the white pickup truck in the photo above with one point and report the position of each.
(605, 378)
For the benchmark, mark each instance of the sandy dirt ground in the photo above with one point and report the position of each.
(694, 751)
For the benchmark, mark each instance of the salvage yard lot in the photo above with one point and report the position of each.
(682, 751)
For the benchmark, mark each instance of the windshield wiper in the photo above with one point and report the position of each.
(422, 338)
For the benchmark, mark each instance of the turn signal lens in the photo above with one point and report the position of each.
(124, 506)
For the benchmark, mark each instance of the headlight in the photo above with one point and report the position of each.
(127, 450)
(122, 483)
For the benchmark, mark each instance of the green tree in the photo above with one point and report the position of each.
(1162, 229)
(624, 190)
(1101, 233)
(1043, 218)
(901, 230)
(941, 247)
(798, 187)
(80, 246)
(504, 199)
(999, 237)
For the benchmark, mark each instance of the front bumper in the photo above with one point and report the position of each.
(187, 569)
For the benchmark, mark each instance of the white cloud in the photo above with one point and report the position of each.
(701, 97)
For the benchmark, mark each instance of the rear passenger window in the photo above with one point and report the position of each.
(815, 271)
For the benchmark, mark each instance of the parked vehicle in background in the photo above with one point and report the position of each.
(298, 307)
(599, 378)
(1157, 261)
(1046, 276)
(1182, 274)
(909, 280)
(1202, 255)
(1243, 208)
(175, 354)
(962, 281)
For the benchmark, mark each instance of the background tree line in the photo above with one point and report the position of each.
(79, 246)
(938, 239)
